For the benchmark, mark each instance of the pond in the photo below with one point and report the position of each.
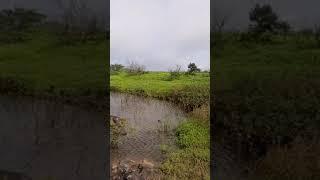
(43, 140)
(150, 123)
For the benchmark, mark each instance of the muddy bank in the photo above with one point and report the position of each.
(42, 139)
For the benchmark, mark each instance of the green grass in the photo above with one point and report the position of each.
(192, 160)
(44, 63)
(155, 84)
(272, 89)
(271, 92)
(280, 59)
(187, 90)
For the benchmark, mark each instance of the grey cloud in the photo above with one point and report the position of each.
(160, 33)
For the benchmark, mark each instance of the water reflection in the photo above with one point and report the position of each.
(145, 117)
(46, 140)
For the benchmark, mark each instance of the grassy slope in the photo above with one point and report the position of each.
(43, 63)
(270, 79)
(268, 61)
(155, 84)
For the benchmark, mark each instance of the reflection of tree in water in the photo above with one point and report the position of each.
(143, 114)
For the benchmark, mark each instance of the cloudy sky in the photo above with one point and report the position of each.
(160, 33)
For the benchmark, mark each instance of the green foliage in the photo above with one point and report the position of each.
(191, 96)
(135, 69)
(16, 24)
(268, 90)
(192, 68)
(193, 159)
(164, 148)
(77, 36)
(266, 21)
(189, 91)
(175, 73)
(117, 130)
(116, 67)
(191, 134)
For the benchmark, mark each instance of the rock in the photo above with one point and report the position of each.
(132, 170)
(147, 164)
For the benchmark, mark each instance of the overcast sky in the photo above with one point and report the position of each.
(160, 33)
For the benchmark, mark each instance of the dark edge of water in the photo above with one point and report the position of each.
(94, 102)
(161, 98)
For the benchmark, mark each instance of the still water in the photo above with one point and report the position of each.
(47, 140)
(146, 119)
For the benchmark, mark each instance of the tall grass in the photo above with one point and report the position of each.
(297, 161)
(192, 159)
(270, 92)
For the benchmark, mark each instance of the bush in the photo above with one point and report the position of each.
(135, 69)
(192, 68)
(175, 73)
(191, 96)
(192, 161)
(265, 20)
(17, 23)
(116, 67)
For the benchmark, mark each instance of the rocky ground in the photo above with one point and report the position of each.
(134, 170)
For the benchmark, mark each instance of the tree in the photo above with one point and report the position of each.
(265, 20)
(219, 22)
(175, 73)
(134, 68)
(116, 67)
(19, 19)
(192, 68)
(15, 24)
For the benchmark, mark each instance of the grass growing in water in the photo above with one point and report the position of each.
(117, 130)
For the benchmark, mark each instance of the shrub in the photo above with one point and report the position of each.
(175, 73)
(193, 159)
(116, 67)
(191, 96)
(17, 23)
(265, 20)
(135, 68)
(192, 68)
